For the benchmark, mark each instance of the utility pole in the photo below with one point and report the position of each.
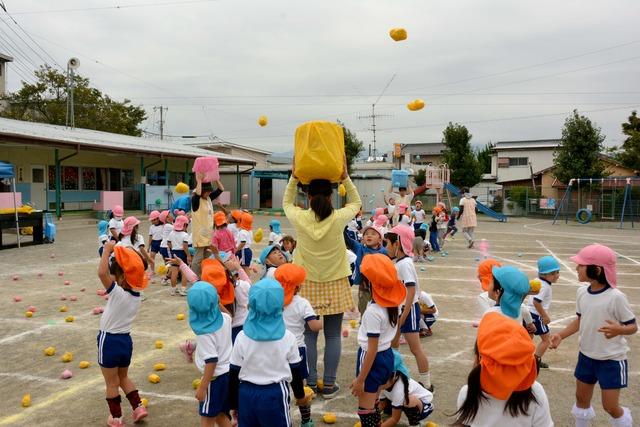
(373, 117)
(162, 110)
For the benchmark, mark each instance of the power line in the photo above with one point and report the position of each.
(115, 7)
(44, 61)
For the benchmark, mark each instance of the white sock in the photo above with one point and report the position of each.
(583, 416)
(425, 378)
(624, 421)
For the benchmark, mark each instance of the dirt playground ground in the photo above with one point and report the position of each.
(451, 280)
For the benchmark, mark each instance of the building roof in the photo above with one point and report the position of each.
(284, 158)
(217, 142)
(5, 58)
(424, 149)
(18, 131)
(534, 144)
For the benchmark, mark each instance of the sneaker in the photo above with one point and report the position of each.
(314, 388)
(139, 413)
(309, 423)
(188, 348)
(182, 292)
(115, 422)
(330, 392)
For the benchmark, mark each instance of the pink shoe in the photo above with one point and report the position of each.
(115, 422)
(188, 348)
(139, 413)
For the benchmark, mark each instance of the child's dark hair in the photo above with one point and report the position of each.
(420, 232)
(134, 236)
(111, 215)
(392, 237)
(320, 191)
(497, 287)
(405, 383)
(517, 404)
(592, 273)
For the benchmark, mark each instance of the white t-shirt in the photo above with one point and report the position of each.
(543, 297)
(400, 200)
(242, 303)
(177, 238)
(485, 303)
(166, 230)
(126, 242)
(155, 231)
(117, 224)
(275, 238)
(271, 272)
(491, 411)
(419, 216)
(594, 310)
(408, 275)
(396, 394)
(296, 315)
(122, 307)
(265, 362)
(215, 348)
(426, 299)
(391, 209)
(524, 313)
(375, 323)
(441, 221)
(190, 239)
(245, 236)
(233, 227)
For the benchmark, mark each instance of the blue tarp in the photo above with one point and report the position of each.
(6, 170)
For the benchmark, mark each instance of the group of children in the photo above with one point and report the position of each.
(250, 349)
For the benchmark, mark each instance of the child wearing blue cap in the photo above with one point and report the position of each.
(405, 395)
(272, 257)
(212, 355)
(103, 237)
(264, 361)
(539, 305)
(509, 288)
(275, 237)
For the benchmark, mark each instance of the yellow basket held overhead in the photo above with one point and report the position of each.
(319, 151)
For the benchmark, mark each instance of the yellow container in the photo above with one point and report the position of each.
(319, 151)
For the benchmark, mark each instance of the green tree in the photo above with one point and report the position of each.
(630, 154)
(421, 177)
(352, 146)
(578, 155)
(459, 156)
(484, 158)
(46, 102)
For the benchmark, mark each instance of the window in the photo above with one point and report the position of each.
(70, 178)
(518, 161)
(89, 179)
(127, 178)
(37, 176)
(52, 178)
(156, 178)
(175, 177)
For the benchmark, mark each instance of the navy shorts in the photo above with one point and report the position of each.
(610, 374)
(216, 401)
(541, 328)
(179, 253)
(245, 255)
(429, 319)
(415, 416)
(234, 333)
(380, 372)
(164, 252)
(264, 405)
(412, 324)
(114, 350)
(155, 246)
(304, 367)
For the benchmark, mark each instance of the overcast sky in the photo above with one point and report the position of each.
(507, 69)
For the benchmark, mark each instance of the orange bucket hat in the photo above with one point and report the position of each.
(387, 290)
(132, 265)
(290, 277)
(213, 272)
(236, 214)
(246, 221)
(219, 218)
(485, 273)
(507, 363)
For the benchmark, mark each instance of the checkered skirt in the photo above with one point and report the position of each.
(332, 297)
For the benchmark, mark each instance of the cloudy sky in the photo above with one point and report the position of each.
(506, 69)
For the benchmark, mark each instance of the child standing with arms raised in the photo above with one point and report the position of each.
(604, 317)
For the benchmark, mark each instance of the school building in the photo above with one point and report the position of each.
(66, 169)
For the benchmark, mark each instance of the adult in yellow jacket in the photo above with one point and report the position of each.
(322, 252)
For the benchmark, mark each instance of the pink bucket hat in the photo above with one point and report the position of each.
(406, 234)
(378, 230)
(378, 212)
(402, 208)
(601, 256)
(154, 215)
(180, 222)
(129, 223)
(163, 216)
(381, 221)
(118, 211)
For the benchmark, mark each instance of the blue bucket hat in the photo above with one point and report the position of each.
(265, 253)
(266, 302)
(204, 313)
(548, 264)
(224, 256)
(423, 226)
(515, 285)
(398, 364)
(275, 226)
(102, 227)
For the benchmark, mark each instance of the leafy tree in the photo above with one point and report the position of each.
(578, 155)
(630, 154)
(352, 146)
(484, 158)
(46, 102)
(421, 177)
(459, 156)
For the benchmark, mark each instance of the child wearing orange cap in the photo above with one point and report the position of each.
(399, 248)
(298, 314)
(223, 238)
(115, 346)
(501, 389)
(244, 240)
(378, 328)
(604, 317)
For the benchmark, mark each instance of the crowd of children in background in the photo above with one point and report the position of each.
(249, 343)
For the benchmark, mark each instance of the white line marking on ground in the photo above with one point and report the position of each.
(569, 269)
(181, 397)
(27, 377)
(562, 320)
(626, 257)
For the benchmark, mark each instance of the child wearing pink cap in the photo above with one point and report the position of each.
(115, 222)
(129, 237)
(179, 248)
(603, 318)
(155, 234)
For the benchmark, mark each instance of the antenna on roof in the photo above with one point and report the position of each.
(373, 117)
(72, 65)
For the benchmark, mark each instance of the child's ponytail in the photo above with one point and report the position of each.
(320, 193)
(405, 384)
(469, 409)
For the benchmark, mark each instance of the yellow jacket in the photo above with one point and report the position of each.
(320, 246)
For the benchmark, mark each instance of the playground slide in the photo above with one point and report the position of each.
(482, 208)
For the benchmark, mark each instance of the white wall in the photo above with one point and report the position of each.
(539, 159)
